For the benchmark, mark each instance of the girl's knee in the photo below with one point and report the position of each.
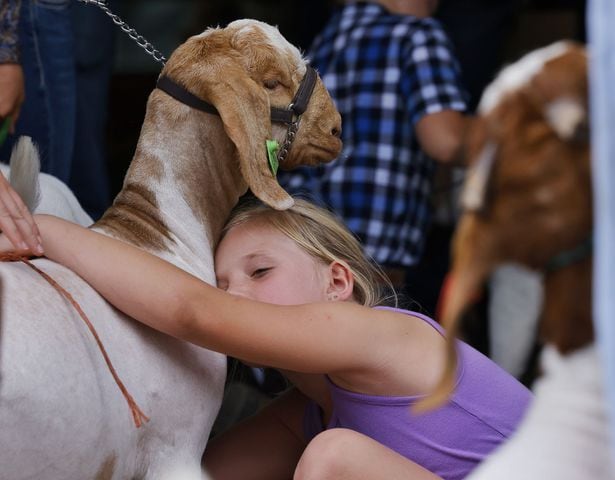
(327, 456)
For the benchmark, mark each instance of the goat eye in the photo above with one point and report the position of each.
(271, 84)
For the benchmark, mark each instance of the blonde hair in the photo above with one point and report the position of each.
(323, 236)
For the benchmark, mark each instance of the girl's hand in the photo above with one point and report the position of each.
(16, 223)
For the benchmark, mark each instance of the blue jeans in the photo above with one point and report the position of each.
(94, 50)
(47, 56)
(67, 57)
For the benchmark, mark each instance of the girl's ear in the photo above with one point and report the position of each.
(341, 281)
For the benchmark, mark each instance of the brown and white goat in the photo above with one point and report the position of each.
(61, 414)
(528, 200)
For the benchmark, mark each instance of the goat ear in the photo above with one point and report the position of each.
(568, 118)
(245, 111)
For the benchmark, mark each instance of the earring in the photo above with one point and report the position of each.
(333, 297)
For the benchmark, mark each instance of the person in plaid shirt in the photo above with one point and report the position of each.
(392, 73)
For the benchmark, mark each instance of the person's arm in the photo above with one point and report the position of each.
(442, 134)
(436, 102)
(315, 338)
(12, 88)
(12, 92)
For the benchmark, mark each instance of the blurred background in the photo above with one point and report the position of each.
(487, 34)
(512, 28)
(114, 77)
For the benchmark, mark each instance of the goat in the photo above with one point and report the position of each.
(528, 200)
(41, 192)
(61, 415)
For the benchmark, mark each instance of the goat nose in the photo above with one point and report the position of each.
(336, 131)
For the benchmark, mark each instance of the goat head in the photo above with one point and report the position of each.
(244, 70)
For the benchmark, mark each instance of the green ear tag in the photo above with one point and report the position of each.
(4, 129)
(272, 154)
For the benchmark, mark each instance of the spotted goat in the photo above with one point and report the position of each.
(220, 97)
(528, 200)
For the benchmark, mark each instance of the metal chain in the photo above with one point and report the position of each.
(288, 141)
(132, 33)
(149, 48)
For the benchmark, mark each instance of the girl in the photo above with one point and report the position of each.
(296, 293)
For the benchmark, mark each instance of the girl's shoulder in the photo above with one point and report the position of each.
(419, 324)
(403, 355)
(411, 313)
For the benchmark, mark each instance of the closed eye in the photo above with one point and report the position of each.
(259, 272)
(271, 84)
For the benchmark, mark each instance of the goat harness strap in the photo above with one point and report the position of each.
(182, 95)
(297, 106)
(574, 255)
(304, 92)
(137, 414)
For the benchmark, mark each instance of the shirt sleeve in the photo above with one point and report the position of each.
(432, 76)
(9, 42)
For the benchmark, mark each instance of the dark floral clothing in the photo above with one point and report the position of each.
(9, 44)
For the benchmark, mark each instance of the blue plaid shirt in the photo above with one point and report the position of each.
(384, 73)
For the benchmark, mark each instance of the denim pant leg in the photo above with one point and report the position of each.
(94, 50)
(47, 56)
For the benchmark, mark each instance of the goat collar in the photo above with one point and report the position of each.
(286, 115)
(574, 255)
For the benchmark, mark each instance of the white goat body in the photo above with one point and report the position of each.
(61, 414)
(564, 433)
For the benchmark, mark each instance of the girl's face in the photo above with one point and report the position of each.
(258, 262)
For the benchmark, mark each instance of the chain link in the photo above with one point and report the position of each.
(131, 32)
(288, 141)
(149, 48)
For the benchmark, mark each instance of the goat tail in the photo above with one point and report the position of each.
(456, 293)
(25, 168)
(446, 385)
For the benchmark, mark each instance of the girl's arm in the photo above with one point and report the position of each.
(316, 338)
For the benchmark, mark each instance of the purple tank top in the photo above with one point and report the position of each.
(485, 409)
